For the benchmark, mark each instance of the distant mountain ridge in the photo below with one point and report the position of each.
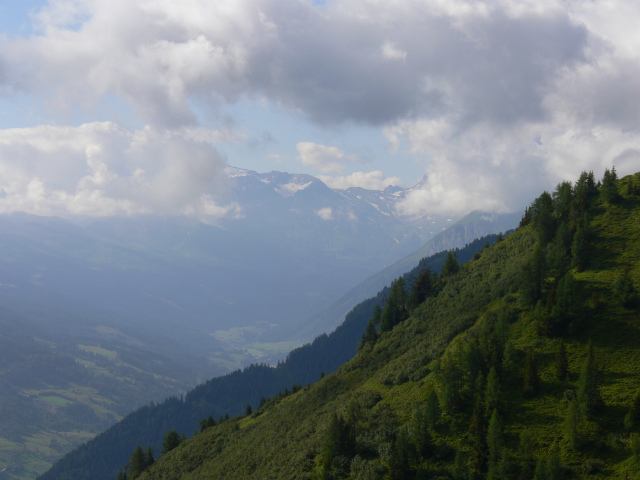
(475, 225)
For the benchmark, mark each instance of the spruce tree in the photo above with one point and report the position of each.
(137, 463)
(541, 470)
(451, 266)
(609, 189)
(478, 434)
(171, 441)
(493, 392)
(580, 249)
(561, 363)
(395, 310)
(420, 431)
(432, 410)
(421, 288)
(572, 421)
(589, 395)
(402, 457)
(530, 376)
(495, 440)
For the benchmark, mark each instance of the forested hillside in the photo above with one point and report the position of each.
(523, 363)
(102, 457)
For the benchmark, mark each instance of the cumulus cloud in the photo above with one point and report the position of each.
(370, 180)
(322, 158)
(101, 169)
(497, 99)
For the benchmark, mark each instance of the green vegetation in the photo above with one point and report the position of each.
(103, 457)
(531, 381)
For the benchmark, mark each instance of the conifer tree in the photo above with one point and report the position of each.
(609, 189)
(420, 431)
(495, 440)
(371, 333)
(493, 392)
(629, 190)
(566, 309)
(137, 463)
(589, 395)
(148, 457)
(562, 198)
(580, 249)
(395, 310)
(584, 191)
(460, 470)
(530, 374)
(572, 421)
(402, 456)
(541, 470)
(421, 288)
(451, 266)
(171, 441)
(432, 409)
(554, 466)
(543, 220)
(632, 419)
(561, 363)
(478, 434)
(533, 275)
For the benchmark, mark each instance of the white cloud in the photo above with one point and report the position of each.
(101, 169)
(391, 51)
(325, 213)
(498, 99)
(370, 180)
(322, 158)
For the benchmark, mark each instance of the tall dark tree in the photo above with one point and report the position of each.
(432, 409)
(609, 189)
(395, 310)
(401, 458)
(420, 434)
(478, 435)
(561, 363)
(543, 220)
(493, 392)
(562, 199)
(137, 463)
(451, 266)
(580, 248)
(171, 440)
(421, 288)
(530, 377)
(584, 191)
(533, 275)
(572, 421)
(495, 441)
(567, 307)
(589, 395)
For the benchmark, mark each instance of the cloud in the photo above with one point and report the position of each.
(322, 158)
(331, 63)
(101, 169)
(370, 180)
(325, 213)
(498, 99)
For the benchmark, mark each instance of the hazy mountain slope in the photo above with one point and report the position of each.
(364, 421)
(472, 226)
(101, 457)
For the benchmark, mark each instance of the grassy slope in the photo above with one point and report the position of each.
(286, 438)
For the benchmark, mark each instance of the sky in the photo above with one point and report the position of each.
(130, 107)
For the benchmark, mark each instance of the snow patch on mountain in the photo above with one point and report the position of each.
(291, 188)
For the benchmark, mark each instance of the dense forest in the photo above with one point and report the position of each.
(103, 456)
(523, 363)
